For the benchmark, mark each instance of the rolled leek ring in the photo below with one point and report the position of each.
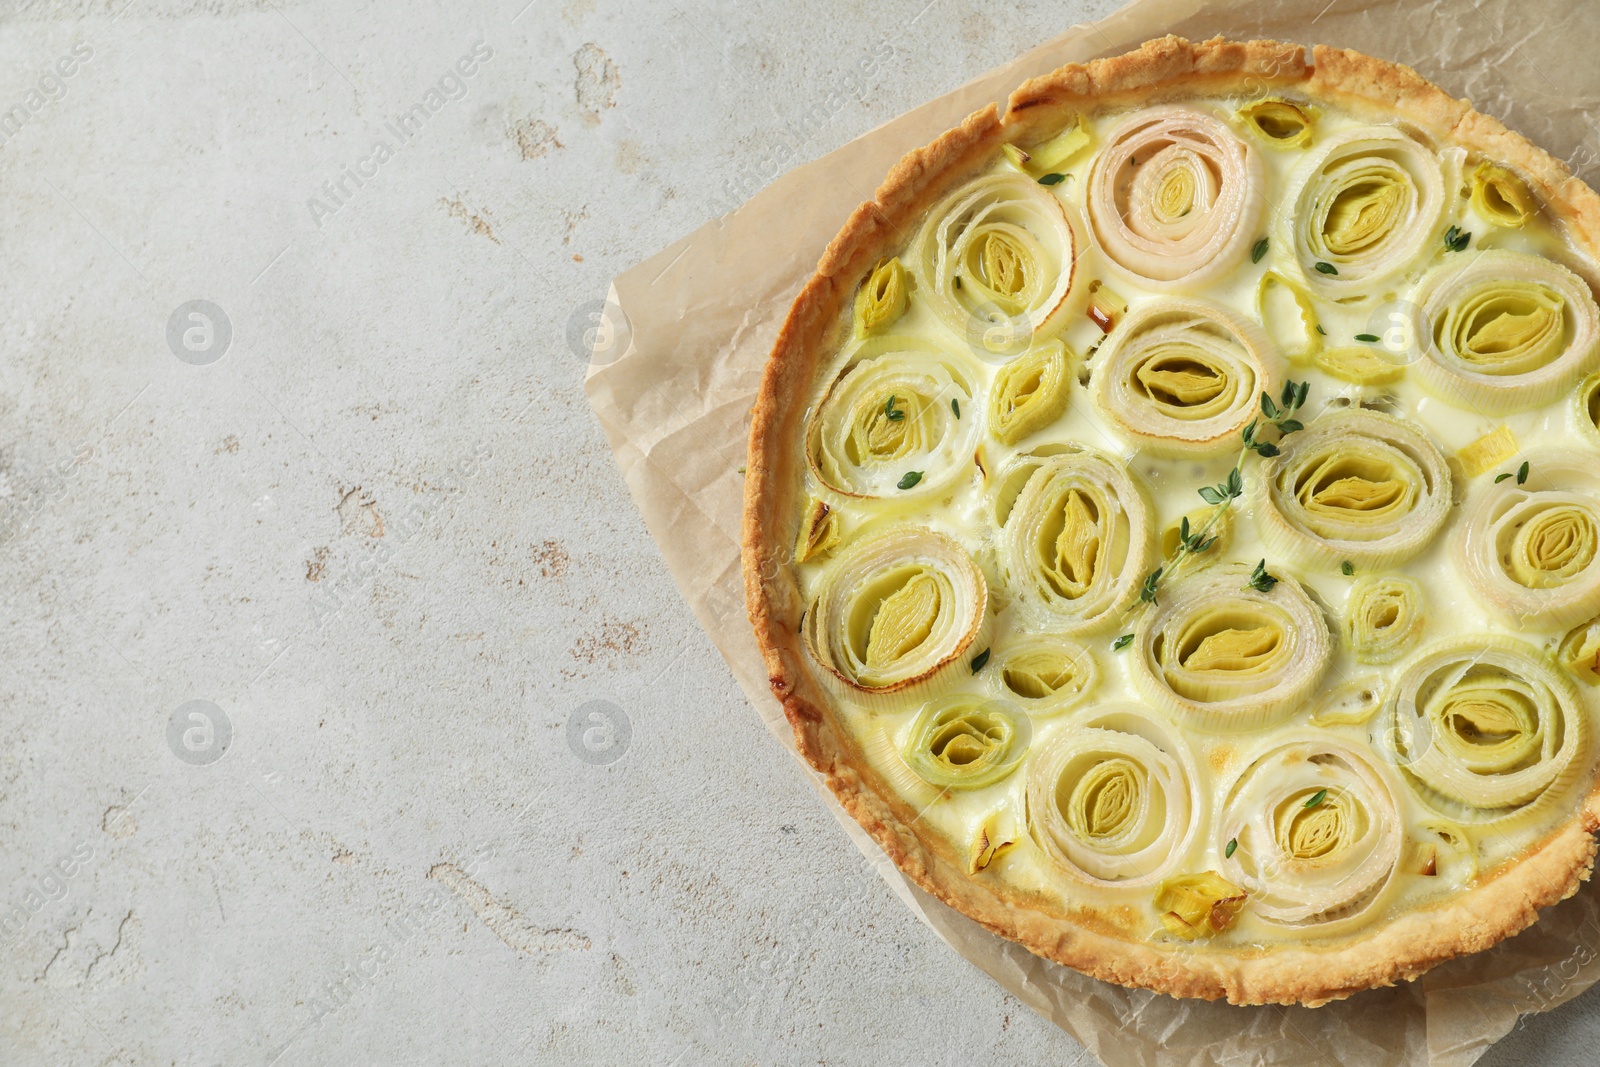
(899, 612)
(1224, 656)
(1175, 197)
(1279, 123)
(1485, 729)
(1044, 674)
(964, 741)
(1355, 485)
(889, 413)
(1384, 618)
(1509, 331)
(1586, 409)
(1366, 203)
(1077, 541)
(882, 298)
(996, 259)
(1529, 552)
(1114, 799)
(1501, 197)
(1318, 831)
(1030, 392)
(1180, 377)
(1579, 652)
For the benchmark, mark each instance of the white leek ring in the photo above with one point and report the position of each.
(889, 414)
(900, 612)
(1509, 331)
(1317, 830)
(1365, 204)
(1175, 197)
(1180, 377)
(1531, 551)
(1114, 800)
(1357, 486)
(995, 259)
(1222, 655)
(1485, 728)
(1077, 541)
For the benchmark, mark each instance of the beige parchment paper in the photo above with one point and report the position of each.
(678, 353)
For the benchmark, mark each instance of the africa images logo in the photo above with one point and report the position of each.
(452, 85)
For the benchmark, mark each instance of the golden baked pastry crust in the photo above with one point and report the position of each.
(1504, 901)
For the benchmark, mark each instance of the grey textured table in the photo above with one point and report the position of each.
(307, 586)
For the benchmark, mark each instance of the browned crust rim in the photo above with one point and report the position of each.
(1161, 69)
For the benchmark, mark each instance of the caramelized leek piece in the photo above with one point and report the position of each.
(1174, 197)
(819, 532)
(1030, 392)
(1106, 308)
(1278, 123)
(996, 833)
(1044, 673)
(1444, 850)
(1485, 729)
(1198, 905)
(1580, 652)
(889, 413)
(1357, 486)
(1365, 205)
(964, 741)
(1488, 451)
(1383, 618)
(1528, 551)
(1077, 541)
(1226, 656)
(1181, 377)
(883, 297)
(897, 612)
(1510, 331)
(1501, 197)
(1113, 800)
(997, 257)
(1318, 832)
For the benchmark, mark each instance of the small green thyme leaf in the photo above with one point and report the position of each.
(1052, 179)
(894, 413)
(1233, 843)
(1498, 478)
(979, 660)
(1317, 798)
(1258, 251)
(1290, 426)
(1347, 568)
(1209, 494)
(1367, 337)
(1265, 450)
(1456, 239)
(1522, 473)
(955, 406)
(1268, 408)
(1326, 268)
(909, 479)
(1122, 642)
(1260, 580)
(1321, 330)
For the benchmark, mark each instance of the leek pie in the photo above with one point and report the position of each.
(1172, 521)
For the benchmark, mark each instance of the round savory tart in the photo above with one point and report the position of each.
(1172, 521)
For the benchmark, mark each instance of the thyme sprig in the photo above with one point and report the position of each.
(1192, 541)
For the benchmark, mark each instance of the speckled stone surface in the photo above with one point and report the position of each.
(315, 562)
